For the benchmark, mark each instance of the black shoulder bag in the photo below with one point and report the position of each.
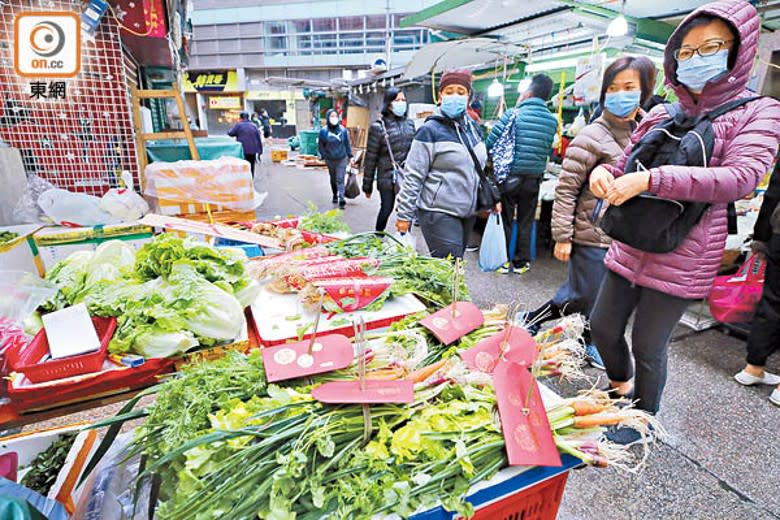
(651, 223)
(487, 193)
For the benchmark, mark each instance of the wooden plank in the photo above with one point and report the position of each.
(215, 230)
(155, 136)
(141, 143)
(185, 124)
(155, 94)
(10, 419)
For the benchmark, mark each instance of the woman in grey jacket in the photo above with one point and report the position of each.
(628, 83)
(440, 179)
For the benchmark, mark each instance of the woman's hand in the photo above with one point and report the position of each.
(562, 251)
(601, 181)
(627, 187)
(497, 208)
(402, 226)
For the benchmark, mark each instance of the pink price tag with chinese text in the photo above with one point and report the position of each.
(517, 346)
(454, 321)
(529, 439)
(372, 392)
(328, 353)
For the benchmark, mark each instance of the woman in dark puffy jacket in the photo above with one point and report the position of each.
(395, 128)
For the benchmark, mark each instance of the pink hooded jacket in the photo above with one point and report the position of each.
(746, 142)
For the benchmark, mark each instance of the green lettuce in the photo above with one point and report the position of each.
(69, 276)
(156, 258)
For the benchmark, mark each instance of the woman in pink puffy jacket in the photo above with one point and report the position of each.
(707, 62)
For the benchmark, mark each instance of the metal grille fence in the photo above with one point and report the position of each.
(84, 141)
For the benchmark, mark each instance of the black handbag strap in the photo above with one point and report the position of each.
(467, 145)
(675, 111)
(387, 143)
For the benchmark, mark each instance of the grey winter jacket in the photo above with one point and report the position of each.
(440, 174)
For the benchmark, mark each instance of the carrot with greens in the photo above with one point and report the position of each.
(421, 374)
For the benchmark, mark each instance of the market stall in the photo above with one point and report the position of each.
(331, 354)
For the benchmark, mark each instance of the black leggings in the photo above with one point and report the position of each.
(251, 158)
(444, 234)
(657, 314)
(387, 198)
(765, 332)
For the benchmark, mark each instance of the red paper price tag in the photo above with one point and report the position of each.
(454, 321)
(372, 392)
(328, 353)
(529, 439)
(516, 346)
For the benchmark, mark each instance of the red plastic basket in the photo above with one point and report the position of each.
(539, 502)
(28, 360)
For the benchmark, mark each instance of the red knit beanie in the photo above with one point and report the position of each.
(456, 77)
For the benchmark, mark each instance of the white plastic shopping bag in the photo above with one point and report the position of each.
(407, 239)
(124, 203)
(492, 251)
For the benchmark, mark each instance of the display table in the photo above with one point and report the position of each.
(173, 150)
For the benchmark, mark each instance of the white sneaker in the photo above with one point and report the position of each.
(746, 379)
(775, 397)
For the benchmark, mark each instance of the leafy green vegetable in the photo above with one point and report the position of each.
(163, 318)
(326, 222)
(156, 258)
(69, 276)
(7, 236)
(428, 278)
(45, 467)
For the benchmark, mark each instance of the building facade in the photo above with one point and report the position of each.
(314, 41)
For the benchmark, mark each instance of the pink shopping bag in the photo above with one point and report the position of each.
(734, 298)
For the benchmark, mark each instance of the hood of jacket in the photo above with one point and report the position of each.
(327, 120)
(744, 21)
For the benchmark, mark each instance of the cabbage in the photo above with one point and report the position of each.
(116, 253)
(212, 313)
(101, 272)
(155, 343)
(69, 276)
(166, 317)
(248, 294)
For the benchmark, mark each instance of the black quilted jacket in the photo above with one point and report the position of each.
(377, 163)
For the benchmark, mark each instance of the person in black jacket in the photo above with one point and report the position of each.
(764, 337)
(396, 128)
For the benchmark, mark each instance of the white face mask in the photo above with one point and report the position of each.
(334, 121)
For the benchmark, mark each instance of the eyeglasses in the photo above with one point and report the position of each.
(707, 49)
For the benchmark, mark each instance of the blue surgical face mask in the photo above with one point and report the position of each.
(398, 108)
(696, 72)
(623, 102)
(454, 105)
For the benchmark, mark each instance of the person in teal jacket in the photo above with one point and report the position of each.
(534, 129)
